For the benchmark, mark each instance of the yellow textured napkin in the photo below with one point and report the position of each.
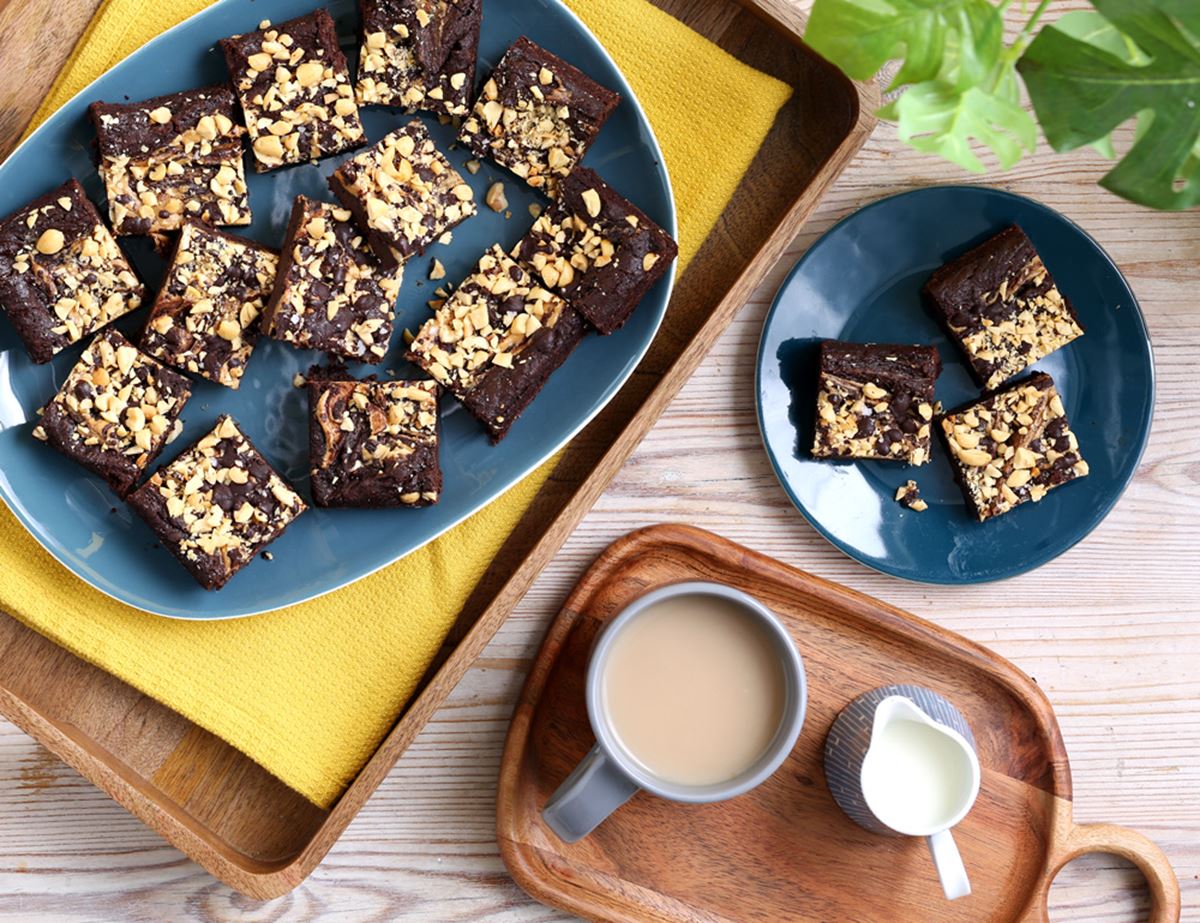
(308, 692)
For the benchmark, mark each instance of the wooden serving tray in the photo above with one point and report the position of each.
(227, 813)
(785, 851)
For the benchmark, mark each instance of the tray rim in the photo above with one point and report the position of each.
(610, 391)
(1065, 840)
(271, 880)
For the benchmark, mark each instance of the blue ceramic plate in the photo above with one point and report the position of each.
(80, 522)
(862, 282)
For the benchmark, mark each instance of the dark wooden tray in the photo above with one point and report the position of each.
(785, 851)
(223, 810)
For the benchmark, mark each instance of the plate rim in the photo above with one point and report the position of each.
(670, 224)
(1100, 512)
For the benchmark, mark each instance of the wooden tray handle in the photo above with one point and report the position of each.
(1145, 854)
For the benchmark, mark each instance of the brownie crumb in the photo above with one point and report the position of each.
(909, 495)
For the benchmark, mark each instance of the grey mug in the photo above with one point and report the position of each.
(609, 775)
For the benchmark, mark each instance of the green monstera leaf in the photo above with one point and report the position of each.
(861, 36)
(1130, 60)
(940, 118)
(958, 89)
(960, 86)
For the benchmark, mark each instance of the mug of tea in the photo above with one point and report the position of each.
(901, 761)
(695, 692)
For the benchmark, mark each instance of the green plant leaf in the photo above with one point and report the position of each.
(960, 84)
(1090, 27)
(938, 118)
(861, 36)
(1085, 82)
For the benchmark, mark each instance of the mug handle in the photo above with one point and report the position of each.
(595, 789)
(949, 865)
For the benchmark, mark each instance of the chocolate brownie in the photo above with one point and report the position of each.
(331, 292)
(597, 250)
(62, 275)
(1000, 304)
(875, 401)
(295, 90)
(537, 115)
(206, 317)
(419, 54)
(374, 444)
(1012, 447)
(404, 193)
(170, 158)
(496, 341)
(115, 412)
(217, 505)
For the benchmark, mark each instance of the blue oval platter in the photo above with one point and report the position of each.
(79, 521)
(862, 282)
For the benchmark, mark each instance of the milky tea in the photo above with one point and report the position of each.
(694, 689)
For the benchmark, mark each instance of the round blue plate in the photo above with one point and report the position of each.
(862, 282)
(83, 524)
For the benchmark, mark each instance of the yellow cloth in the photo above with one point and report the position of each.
(308, 692)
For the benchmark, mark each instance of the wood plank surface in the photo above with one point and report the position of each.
(36, 38)
(1110, 630)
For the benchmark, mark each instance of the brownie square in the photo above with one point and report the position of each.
(1012, 447)
(419, 55)
(205, 319)
(598, 250)
(875, 401)
(496, 341)
(62, 275)
(1000, 304)
(331, 292)
(217, 505)
(374, 444)
(537, 115)
(295, 90)
(170, 158)
(115, 412)
(403, 192)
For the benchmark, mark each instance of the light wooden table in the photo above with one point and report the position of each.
(1110, 630)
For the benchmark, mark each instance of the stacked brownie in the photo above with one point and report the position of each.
(170, 159)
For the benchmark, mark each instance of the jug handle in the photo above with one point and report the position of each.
(949, 864)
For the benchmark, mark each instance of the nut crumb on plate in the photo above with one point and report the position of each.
(909, 495)
(496, 200)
